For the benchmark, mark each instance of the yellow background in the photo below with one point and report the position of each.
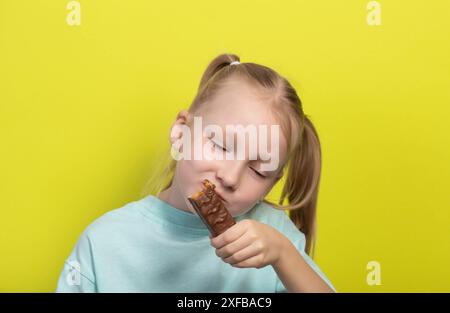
(85, 112)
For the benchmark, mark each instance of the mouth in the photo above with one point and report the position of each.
(218, 193)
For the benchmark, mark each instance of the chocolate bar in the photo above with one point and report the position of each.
(211, 210)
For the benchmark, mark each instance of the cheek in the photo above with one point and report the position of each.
(205, 161)
(247, 197)
(190, 174)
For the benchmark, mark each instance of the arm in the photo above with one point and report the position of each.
(250, 243)
(295, 273)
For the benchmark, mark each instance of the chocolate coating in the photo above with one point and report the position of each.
(211, 209)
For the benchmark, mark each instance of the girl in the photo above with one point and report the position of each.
(159, 244)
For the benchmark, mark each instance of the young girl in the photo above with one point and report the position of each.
(159, 244)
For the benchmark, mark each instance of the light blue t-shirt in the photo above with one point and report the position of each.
(151, 246)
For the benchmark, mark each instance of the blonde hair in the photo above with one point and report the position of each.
(303, 164)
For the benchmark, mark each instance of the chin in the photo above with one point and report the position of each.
(236, 212)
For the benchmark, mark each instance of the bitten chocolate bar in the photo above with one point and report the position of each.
(211, 210)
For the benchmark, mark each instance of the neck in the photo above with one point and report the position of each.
(174, 197)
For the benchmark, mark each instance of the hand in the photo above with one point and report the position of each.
(250, 243)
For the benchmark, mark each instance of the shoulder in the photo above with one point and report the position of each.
(101, 234)
(115, 221)
(278, 219)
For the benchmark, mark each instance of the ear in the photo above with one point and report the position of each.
(183, 117)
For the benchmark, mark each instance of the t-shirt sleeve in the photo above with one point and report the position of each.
(299, 241)
(78, 273)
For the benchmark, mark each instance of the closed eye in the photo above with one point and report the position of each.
(258, 173)
(219, 146)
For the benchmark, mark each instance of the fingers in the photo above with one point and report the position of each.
(230, 235)
(254, 261)
(242, 242)
(243, 255)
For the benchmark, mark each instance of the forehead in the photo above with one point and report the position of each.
(238, 103)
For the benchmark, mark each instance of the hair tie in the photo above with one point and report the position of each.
(235, 63)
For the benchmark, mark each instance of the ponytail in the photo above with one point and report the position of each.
(215, 66)
(218, 70)
(302, 184)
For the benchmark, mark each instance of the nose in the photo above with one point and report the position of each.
(229, 175)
